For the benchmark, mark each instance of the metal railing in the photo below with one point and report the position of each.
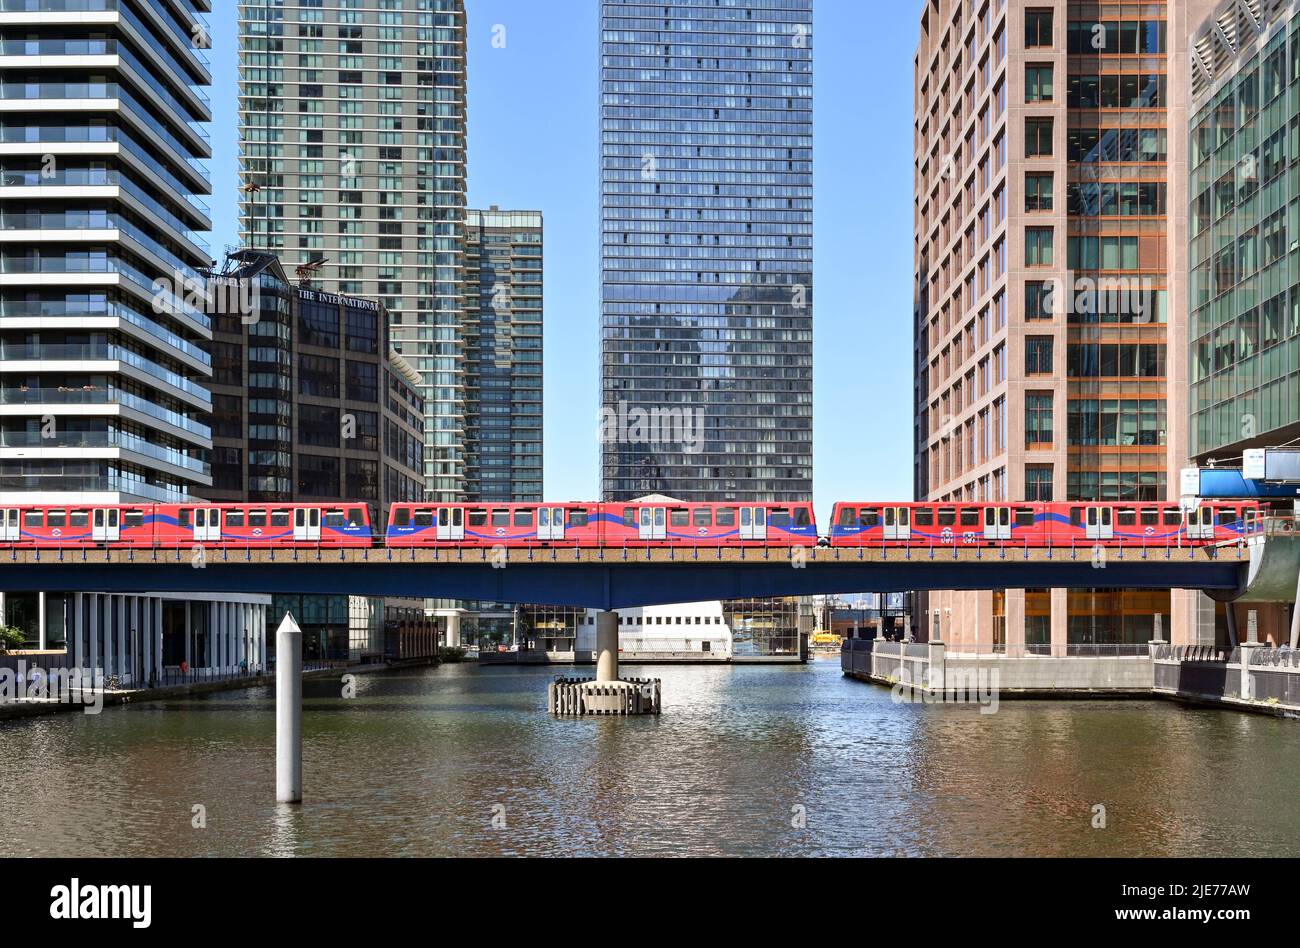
(1194, 653)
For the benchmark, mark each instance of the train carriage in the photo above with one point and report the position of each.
(708, 524)
(74, 525)
(937, 524)
(1136, 524)
(263, 525)
(486, 525)
(1152, 523)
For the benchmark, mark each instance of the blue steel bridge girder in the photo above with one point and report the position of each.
(613, 582)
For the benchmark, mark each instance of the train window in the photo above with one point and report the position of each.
(183, 518)
(848, 517)
(802, 518)
(401, 517)
(869, 517)
(578, 518)
(679, 518)
(478, 518)
(424, 518)
(1173, 517)
(726, 517)
(1024, 516)
(780, 517)
(1126, 517)
(280, 518)
(923, 516)
(970, 517)
(335, 518)
(81, 518)
(234, 518)
(1228, 516)
(1149, 516)
(356, 516)
(57, 518)
(629, 516)
(523, 518)
(1076, 516)
(256, 518)
(703, 516)
(500, 518)
(947, 517)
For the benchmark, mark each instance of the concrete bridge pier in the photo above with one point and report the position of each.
(608, 693)
(606, 647)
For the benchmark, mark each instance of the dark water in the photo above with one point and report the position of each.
(416, 763)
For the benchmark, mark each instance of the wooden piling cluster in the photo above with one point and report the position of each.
(584, 696)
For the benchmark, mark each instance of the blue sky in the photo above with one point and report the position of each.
(534, 144)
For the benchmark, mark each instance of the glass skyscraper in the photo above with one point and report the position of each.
(503, 348)
(706, 249)
(103, 360)
(1245, 225)
(353, 122)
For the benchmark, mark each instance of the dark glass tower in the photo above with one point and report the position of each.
(706, 249)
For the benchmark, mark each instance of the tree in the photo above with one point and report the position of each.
(11, 638)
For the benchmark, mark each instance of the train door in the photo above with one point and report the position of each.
(207, 524)
(997, 523)
(753, 523)
(451, 523)
(306, 524)
(898, 523)
(1200, 523)
(1099, 524)
(550, 523)
(653, 523)
(106, 525)
(1249, 521)
(9, 529)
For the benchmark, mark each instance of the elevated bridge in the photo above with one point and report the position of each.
(607, 579)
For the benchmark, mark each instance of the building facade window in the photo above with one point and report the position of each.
(1038, 137)
(1038, 482)
(1038, 355)
(1038, 28)
(1038, 419)
(1038, 246)
(1038, 83)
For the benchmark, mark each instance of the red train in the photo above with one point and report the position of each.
(183, 525)
(631, 524)
(1042, 525)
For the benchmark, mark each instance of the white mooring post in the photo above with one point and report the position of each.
(288, 711)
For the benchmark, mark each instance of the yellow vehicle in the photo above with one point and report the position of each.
(825, 640)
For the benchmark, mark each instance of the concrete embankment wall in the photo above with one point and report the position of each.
(1250, 678)
(1196, 675)
(1029, 676)
(31, 708)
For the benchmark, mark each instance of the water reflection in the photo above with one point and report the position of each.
(464, 761)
